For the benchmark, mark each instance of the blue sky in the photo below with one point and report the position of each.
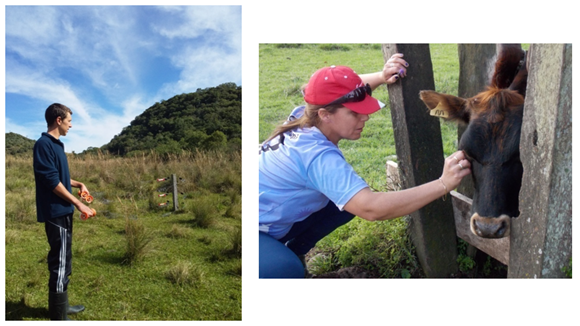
(110, 63)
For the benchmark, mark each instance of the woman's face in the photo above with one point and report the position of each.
(342, 124)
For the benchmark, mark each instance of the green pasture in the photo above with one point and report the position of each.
(134, 260)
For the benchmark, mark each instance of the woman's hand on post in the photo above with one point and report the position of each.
(395, 68)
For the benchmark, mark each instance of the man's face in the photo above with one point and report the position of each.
(64, 124)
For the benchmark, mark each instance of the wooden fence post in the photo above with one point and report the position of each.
(541, 237)
(420, 155)
(175, 193)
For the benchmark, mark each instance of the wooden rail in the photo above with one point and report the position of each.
(496, 248)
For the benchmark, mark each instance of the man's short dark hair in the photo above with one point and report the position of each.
(54, 111)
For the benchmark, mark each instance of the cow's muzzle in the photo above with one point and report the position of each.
(490, 227)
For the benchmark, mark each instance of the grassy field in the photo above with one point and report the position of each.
(382, 247)
(135, 260)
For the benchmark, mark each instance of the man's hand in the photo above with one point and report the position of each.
(84, 209)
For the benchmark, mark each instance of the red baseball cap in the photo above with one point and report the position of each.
(330, 83)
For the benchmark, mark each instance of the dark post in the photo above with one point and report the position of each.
(420, 155)
(175, 193)
(476, 65)
(541, 237)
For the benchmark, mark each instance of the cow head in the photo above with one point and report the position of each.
(491, 141)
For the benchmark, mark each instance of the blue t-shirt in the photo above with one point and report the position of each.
(299, 173)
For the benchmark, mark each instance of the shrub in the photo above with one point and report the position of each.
(466, 263)
(184, 273)
(204, 210)
(138, 239)
(178, 232)
(235, 243)
(234, 208)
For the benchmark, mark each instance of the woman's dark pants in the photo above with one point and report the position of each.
(279, 258)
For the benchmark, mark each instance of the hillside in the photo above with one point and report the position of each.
(207, 119)
(18, 145)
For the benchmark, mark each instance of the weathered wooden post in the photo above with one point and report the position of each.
(175, 193)
(420, 155)
(541, 237)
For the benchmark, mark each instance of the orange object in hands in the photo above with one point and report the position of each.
(84, 216)
(86, 197)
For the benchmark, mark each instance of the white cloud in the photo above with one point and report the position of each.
(94, 59)
(91, 126)
(197, 21)
(21, 80)
(204, 67)
(31, 131)
(35, 24)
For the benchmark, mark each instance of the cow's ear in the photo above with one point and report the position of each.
(446, 106)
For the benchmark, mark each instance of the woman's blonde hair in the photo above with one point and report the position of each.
(309, 118)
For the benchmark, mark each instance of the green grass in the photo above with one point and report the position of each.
(284, 68)
(133, 261)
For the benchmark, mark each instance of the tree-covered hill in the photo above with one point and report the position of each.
(208, 119)
(17, 144)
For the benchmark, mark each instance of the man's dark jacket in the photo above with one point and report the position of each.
(50, 168)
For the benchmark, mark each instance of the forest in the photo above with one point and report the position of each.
(208, 119)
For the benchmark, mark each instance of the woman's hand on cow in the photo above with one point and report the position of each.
(395, 68)
(456, 167)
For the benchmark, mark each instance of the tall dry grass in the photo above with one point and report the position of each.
(20, 190)
(133, 178)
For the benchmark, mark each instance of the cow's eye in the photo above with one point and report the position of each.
(515, 158)
(467, 156)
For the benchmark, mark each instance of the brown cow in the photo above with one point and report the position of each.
(491, 141)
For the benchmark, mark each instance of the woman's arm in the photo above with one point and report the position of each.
(378, 206)
(393, 69)
(387, 205)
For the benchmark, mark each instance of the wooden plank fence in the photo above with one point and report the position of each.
(540, 244)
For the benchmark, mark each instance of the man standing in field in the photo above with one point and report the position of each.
(54, 206)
